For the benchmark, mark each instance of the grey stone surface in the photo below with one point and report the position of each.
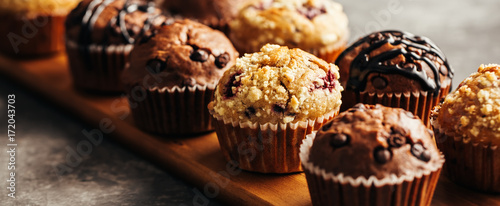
(466, 31)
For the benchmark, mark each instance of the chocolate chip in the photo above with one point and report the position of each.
(222, 60)
(155, 66)
(339, 140)
(379, 82)
(382, 155)
(420, 152)
(278, 108)
(250, 111)
(396, 140)
(199, 55)
(426, 156)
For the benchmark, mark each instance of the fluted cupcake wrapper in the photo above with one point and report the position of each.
(329, 189)
(174, 111)
(474, 165)
(330, 53)
(96, 67)
(418, 103)
(43, 34)
(265, 148)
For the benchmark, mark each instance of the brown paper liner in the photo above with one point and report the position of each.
(474, 165)
(330, 54)
(101, 69)
(329, 189)
(47, 38)
(265, 148)
(173, 111)
(419, 103)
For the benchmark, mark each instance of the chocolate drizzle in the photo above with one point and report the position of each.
(92, 14)
(362, 65)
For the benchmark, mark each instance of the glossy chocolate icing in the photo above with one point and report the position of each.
(407, 55)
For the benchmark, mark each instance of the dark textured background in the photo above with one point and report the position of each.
(466, 31)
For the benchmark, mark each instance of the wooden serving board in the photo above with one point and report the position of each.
(197, 160)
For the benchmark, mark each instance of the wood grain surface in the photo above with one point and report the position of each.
(198, 159)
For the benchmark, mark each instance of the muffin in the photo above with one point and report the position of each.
(33, 27)
(172, 77)
(214, 13)
(100, 35)
(372, 155)
(268, 102)
(316, 26)
(468, 132)
(395, 69)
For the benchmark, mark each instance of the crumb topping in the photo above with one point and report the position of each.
(278, 85)
(473, 110)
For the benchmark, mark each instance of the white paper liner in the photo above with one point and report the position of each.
(277, 140)
(105, 73)
(331, 189)
(175, 111)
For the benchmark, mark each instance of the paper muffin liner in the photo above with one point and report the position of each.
(327, 188)
(265, 148)
(35, 36)
(330, 53)
(101, 69)
(419, 103)
(174, 111)
(473, 165)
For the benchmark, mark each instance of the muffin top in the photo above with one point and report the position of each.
(394, 61)
(184, 53)
(473, 109)
(305, 24)
(373, 140)
(277, 85)
(214, 13)
(33, 8)
(111, 22)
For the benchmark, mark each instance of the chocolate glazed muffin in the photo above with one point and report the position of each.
(396, 69)
(214, 13)
(372, 155)
(172, 76)
(100, 35)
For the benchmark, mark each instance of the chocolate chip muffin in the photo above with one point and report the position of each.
(274, 97)
(396, 69)
(172, 76)
(316, 26)
(100, 35)
(372, 149)
(214, 13)
(33, 28)
(467, 127)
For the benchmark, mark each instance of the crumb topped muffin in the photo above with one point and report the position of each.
(316, 26)
(374, 149)
(269, 101)
(467, 127)
(396, 69)
(278, 85)
(172, 76)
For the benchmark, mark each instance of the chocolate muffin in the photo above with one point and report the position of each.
(214, 13)
(315, 26)
(100, 35)
(396, 69)
(270, 100)
(373, 151)
(172, 76)
(467, 127)
(33, 28)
